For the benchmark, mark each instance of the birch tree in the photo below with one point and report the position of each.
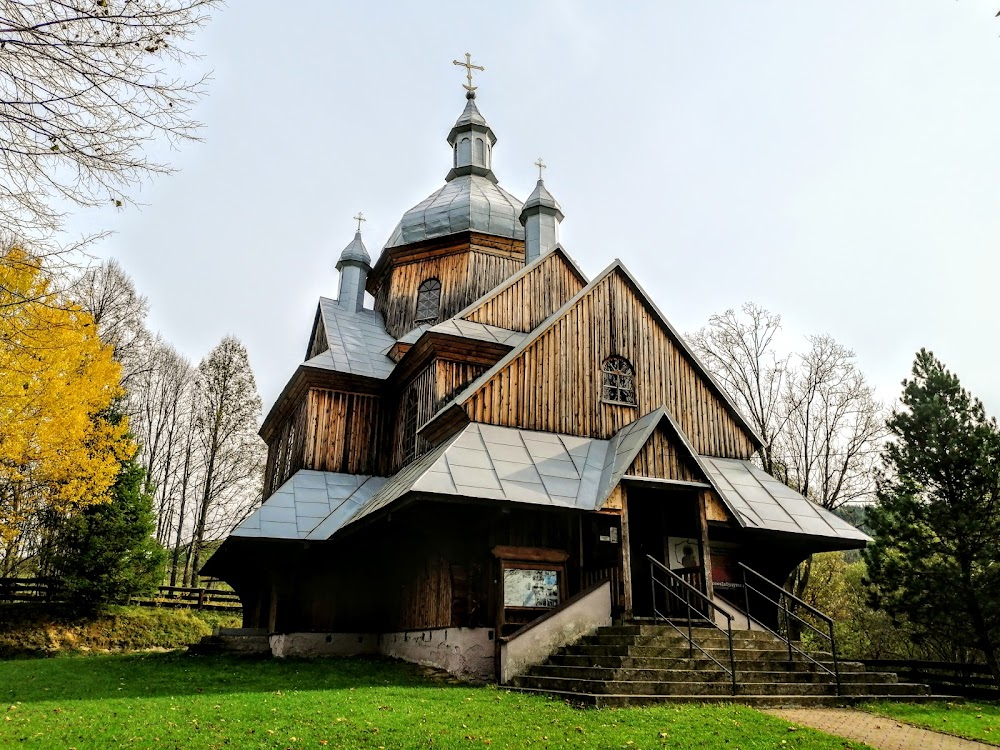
(227, 410)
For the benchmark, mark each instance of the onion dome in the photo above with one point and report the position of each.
(471, 199)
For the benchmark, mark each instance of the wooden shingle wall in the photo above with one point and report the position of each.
(555, 383)
(663, 458)
(465, 274)
(527, 302)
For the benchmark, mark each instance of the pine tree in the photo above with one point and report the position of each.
(107, 553)
(936, 555)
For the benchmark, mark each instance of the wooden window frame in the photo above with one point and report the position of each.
(423, 291)
(618, 378)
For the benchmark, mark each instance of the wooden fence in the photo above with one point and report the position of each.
(40, 591)
(948, 678)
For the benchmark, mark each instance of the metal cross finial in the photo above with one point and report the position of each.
(359, 218)
(541, 165)
(469, 67)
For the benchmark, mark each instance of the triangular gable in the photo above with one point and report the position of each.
(662, 457)
(529, 297)
(519, 390)
(318, 340)
(629, 443)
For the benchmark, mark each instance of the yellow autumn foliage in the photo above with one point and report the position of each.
(58, 449)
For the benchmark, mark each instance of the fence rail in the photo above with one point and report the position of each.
(967, 680)
(40, 590)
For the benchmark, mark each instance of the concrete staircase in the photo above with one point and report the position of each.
(636, 664)
(239, 641)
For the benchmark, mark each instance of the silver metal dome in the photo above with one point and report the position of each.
(465, 203)
(470, 200)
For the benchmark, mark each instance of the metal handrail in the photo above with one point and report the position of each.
(783, 597)
(653, 565)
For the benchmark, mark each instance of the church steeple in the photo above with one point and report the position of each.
(540, 218)
(354, 265)
(471, 139)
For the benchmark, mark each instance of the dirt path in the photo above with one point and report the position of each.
(877, 731)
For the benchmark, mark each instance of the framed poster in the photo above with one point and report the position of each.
(531, 587)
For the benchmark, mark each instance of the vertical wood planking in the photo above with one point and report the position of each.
(610, 319)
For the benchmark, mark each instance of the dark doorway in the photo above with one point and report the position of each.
(654, 518)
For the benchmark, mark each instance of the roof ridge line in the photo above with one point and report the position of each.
(511, 280)
(517, 350)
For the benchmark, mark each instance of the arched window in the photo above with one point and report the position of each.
(480, 152)
(464, 151)
(428, 302)
(618, 381)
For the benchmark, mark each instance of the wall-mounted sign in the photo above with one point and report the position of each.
(527, 587)
(683, 553)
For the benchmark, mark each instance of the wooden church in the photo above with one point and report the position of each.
(497, 436)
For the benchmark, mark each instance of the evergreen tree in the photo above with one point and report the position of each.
(107, 552)
(936, 555)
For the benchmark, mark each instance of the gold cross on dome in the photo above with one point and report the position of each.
(469, 67)
(359, 218)
(541, 165)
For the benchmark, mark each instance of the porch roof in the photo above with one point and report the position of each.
(537, 468)
(762, 502)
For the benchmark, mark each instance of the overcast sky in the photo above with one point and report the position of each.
(838, 164)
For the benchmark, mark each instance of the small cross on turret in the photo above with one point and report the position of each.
(541, 165)
(469, 67)
(360, 218)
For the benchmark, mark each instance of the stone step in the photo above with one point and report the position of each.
(699, 662)
(677, 652)
(249, 645)
(680, 639)
(775, 701)
(721, 687)
(706, 675)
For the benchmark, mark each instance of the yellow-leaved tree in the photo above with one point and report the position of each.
(61, 443)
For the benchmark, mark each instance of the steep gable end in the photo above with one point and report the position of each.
(553, 381)
(319, 342)
(528, 298)
(663, 457)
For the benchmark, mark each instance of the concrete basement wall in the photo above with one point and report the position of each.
(536, 642)
(467, 653)
(323, 644)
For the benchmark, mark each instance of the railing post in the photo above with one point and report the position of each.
(836, 665)
(788, 626)
(690, 639)
(652, 592)
(201, 598)
(732, 658)
(746, 597)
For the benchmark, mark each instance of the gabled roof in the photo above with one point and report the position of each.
(510, 281)
(357, 341)
(536, 468)
(308, 500)
(427, 430)
(479, 331)
(762, 502)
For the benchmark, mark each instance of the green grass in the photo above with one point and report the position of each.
(182, 701)
(977, 721)
(27, 629)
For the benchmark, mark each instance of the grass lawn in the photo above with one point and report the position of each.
(977, 721)
(176, 700)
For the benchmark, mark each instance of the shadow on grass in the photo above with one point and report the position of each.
(178, 674)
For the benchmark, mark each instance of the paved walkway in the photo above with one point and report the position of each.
(877, 731)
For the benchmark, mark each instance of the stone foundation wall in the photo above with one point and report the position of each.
(323, 644)
(467, 653)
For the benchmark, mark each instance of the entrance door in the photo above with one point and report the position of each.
(658, 519)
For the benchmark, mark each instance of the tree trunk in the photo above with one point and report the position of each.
(180, 515)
